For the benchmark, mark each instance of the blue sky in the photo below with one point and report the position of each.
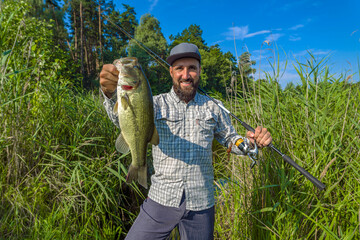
(326, 28)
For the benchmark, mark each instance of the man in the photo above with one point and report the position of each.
(182, 191)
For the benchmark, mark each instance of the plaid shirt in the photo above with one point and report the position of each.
(183, 159)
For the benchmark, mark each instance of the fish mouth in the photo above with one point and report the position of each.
(127, 87)
(129, 61)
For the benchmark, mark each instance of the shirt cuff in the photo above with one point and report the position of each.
(113, 98)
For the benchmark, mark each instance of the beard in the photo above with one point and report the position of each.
(187, 93)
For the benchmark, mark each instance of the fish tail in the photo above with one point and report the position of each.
(139, 174)
(132, 174)
(142, 176)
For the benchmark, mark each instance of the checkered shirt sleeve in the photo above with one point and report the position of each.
(109, 104)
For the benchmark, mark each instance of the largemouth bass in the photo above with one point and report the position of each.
(134, 108)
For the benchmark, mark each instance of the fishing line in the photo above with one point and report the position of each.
(140, 44)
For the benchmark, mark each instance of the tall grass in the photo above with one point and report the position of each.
(60, 177)
(63, 178)
(317, 124)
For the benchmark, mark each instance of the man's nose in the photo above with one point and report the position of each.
(185, 73)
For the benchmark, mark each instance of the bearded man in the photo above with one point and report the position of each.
(182, 191)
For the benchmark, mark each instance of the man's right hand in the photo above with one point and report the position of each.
(109, 76)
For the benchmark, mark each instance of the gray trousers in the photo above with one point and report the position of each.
(156, 221)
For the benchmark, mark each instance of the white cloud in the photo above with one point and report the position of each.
(153, 4)
(217, 42)
(238, 32)
(315, 52)
(273, 37)
(321, 52)
(294, 38)
(301, 53)
(296, 27)
(242, 33)
(257, 33)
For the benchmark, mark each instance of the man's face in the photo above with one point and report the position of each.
(185, 73)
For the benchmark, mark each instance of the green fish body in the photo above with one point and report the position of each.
(135, 111)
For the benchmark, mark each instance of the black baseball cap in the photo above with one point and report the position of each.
(184, 50)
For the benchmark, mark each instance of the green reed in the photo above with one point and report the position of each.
(60, 176)
(316, 123)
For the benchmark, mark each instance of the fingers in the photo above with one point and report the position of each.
(258, 131)
(108, 78)
(250, 136)
(264, 140)
(261, 136)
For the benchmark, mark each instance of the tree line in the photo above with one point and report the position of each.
(94, 32)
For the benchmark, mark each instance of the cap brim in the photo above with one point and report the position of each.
(171, 59)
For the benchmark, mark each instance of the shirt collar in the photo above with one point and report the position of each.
(175, 97)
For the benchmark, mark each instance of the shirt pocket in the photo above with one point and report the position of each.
(167, 124)
(206, 123)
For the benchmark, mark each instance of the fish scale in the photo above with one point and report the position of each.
(135, 111)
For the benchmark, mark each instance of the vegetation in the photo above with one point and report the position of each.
(317, 124)
(61, 178)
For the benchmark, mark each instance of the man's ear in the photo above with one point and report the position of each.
(171, 71)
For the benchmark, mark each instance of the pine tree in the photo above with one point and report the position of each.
(116, 41)
(216, 69)
(92, 40)
(192, 34)
(149, 33)
(50, 10)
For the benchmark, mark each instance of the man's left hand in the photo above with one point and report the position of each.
(262, 137)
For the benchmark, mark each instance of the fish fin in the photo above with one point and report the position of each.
(142, 176)
(155, 137)
(125, 101)
(139, 174)
(121, 145)
(132, 174)
(115, 109)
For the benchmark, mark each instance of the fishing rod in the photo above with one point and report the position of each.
(286, 158)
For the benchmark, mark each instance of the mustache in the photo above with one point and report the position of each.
(186, 80)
